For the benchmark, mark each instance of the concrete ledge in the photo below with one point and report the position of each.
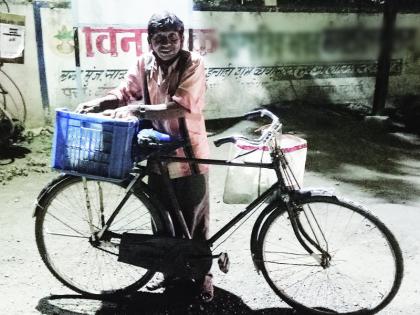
(378, 123)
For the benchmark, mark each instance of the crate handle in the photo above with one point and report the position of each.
(91, 126)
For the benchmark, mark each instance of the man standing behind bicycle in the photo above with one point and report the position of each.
(171, 83)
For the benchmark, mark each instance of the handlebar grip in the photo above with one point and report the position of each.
(221, 141)
(253, 114)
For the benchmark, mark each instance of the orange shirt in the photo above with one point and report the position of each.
(189, 93)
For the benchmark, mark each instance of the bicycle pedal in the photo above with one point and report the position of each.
(223, 262)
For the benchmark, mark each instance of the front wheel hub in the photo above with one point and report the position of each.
(325, 260)
(93, 240)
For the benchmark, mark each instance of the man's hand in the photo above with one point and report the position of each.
(121, 112)
(93, 106)
(98, 104)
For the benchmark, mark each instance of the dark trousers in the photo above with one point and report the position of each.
(192, 193)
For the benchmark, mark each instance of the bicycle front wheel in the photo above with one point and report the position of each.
(71, 213)
(362, 273)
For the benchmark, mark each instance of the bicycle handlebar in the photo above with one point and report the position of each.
(275, 125)
(221, 141)
(261, 113)
(230, 139)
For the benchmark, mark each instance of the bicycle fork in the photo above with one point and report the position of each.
(323, 258)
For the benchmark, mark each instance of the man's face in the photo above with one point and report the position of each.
(166, 44)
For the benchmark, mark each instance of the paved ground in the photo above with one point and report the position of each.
(379, 169)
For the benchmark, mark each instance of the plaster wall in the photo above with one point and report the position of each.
(23, 79)
(252, 58)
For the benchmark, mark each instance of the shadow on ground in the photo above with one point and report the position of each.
(25, 158)
(152, 303)
(10, 153)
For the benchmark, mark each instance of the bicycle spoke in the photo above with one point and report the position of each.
(290, 264)
(277, 252)
(66, 235)
(66, 224)
(133, 220)
(62, 205)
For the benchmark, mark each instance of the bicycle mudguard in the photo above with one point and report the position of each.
(44, 192)
(256, 231)
(311, 192)
(164, 213)
(169, 255)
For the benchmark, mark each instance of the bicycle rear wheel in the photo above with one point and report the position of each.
(64, 226)
(366, 265)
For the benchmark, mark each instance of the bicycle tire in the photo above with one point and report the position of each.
(12, 98)
(64, 245)
(305, 285)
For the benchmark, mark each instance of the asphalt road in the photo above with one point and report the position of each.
(380, 171)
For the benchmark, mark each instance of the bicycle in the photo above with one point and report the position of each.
(320, 253)
(12, 110)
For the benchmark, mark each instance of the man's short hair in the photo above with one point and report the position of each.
(163, 22)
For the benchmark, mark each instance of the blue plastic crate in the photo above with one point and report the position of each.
(93, 146)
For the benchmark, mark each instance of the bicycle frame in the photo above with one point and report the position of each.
(279, 186)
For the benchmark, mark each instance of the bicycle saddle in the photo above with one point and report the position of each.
(158, 141)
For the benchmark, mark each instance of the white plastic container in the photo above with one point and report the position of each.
(244, 184)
